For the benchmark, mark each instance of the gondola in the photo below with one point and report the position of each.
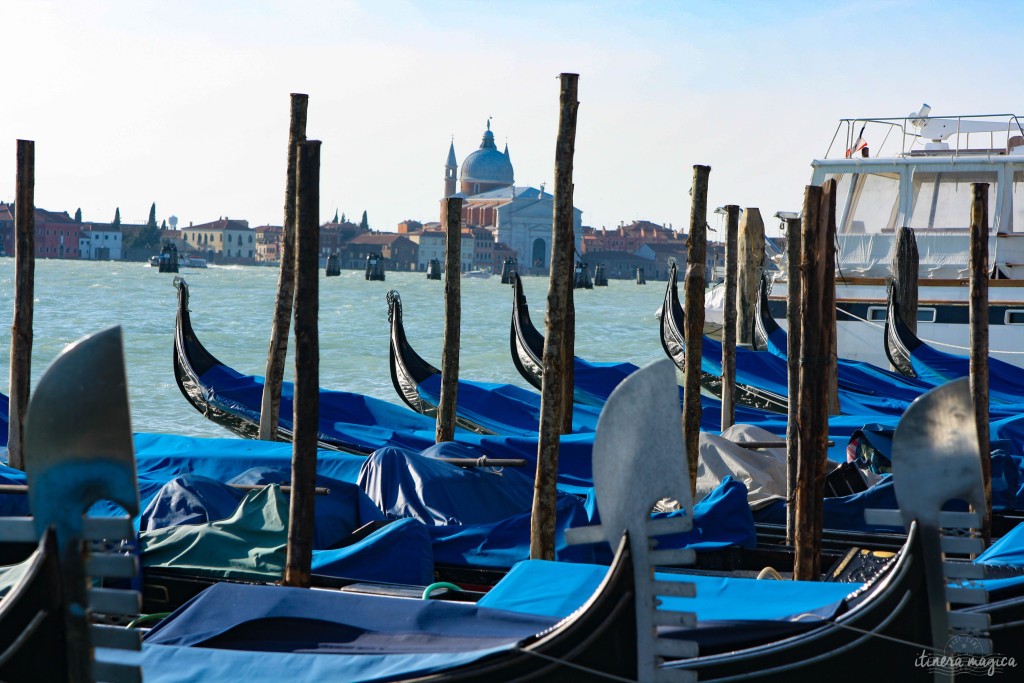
(54, 619)
(613, 633)
(853, 375)
(233, 400)
(673, 322)
(593, 382)
(32, 634)
(348, 422)
(864, 390)
(483, 407)
(913, 357)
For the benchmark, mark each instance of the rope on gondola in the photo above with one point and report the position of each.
(899, 641)
(578, 667)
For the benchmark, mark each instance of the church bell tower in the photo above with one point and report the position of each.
(450, 168)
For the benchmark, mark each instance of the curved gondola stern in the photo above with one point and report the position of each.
(525, 341)
(192, 361)
(408, 369)
(764, 324)
(673, 320)
(899, 339)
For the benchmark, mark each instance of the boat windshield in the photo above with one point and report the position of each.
(867, 202)
(1018, 203)
(942, 201)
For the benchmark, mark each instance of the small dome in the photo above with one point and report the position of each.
(487, 165)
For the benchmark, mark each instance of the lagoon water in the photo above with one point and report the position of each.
(232, 308)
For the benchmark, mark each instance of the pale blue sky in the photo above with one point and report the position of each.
(185, 103)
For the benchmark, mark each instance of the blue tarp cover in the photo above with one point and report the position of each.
(368, 637)
(556, 589)
(503, 408)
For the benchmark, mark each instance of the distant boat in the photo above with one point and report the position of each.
(183, 262)
(478, 272)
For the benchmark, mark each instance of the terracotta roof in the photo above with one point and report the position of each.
(221, 224)
(380, 238)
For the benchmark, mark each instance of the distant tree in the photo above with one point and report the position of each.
(163, 226)
(364, 224)
(343, 219)
(117, 218)
(151, 223)
(78, 215)
(335, 216)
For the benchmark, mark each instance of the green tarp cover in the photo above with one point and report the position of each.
(248, 545)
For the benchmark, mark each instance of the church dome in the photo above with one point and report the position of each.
(487, 167)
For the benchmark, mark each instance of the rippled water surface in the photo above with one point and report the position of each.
(232, 307)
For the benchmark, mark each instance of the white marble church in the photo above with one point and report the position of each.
(521, 217)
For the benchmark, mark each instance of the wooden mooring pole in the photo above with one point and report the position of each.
(732, 224)
(557, 321)
(978, 293)
(24, 294)
(816, 366)
(452, 320)
(274, 376)
(750, 256)
(306, 402)
(693, 306)
(794, 332)
(905, 263)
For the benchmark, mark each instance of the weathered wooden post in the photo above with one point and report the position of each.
(274, 376)
(24, 294)
(816, 344)
(732, 224)
(299, 556)
(558, 321)
(794, 331)
(693, 306)
(748, 278)
(452, 320)
(978, 293)
(905, 263)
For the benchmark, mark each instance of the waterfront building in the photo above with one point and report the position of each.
(627, 238)
(432, 241)
(56, 236)
(269, 244)
(520, 217)
(100, 242)
(399, 252)
(229, 240)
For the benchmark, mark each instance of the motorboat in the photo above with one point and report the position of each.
(920, 176)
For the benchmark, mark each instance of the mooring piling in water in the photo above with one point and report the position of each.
(271, 405)
(978, 294)
(693, 286)
(794, 332)
(306, 403)
(557, 383)
(24, 295)
(905, 263)
(817, 364)
(732, 223)
(452, 320)
(750, 262)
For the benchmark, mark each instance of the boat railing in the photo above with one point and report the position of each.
(923, 135)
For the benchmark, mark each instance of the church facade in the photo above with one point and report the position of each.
(519, 217)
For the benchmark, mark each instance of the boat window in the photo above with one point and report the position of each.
(1014, 317)
(878, 314)
(942, 201)
(867, 202)
(1018, 203)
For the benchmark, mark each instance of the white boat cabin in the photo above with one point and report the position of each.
(917, 171)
